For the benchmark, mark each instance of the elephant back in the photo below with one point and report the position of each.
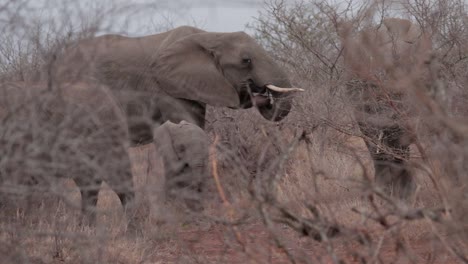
(47, 132)
(26, 140)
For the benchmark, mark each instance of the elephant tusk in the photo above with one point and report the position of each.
(283, 90)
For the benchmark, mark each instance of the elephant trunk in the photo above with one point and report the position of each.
(279, 101)
(277, 108)
(274, 94)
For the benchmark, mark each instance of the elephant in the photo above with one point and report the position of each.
(186, 166)
(381, 63)
(77, 132)
(174, 75)
(151, 80)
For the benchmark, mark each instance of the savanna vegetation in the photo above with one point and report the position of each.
(299, 191)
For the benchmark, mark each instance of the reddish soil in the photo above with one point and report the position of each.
(219, 245)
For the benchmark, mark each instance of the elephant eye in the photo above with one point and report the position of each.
(246, 61)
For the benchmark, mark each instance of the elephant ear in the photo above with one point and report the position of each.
(188, 69)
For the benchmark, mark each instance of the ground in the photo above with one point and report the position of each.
(63, 240)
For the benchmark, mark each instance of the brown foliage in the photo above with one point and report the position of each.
(299, 191)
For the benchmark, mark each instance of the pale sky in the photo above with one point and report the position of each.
(135, 17)
(211, 15)
(219, 18)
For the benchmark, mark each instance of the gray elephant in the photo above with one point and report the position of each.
(184, 150)
(174, 75)
(170, 76)
(381, 63)
(77, 132)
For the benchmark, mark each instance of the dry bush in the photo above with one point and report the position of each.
(306, 38)
(299, 191)
(44, 140)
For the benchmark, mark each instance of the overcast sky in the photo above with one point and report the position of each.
(212, 15)
(136, 17)
(220, 18)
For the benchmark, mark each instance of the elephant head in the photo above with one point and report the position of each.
(224, 69)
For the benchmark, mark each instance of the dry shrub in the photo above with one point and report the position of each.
(41, 221)
(306, 38)
(301, 190)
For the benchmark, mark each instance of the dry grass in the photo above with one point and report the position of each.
(300, 191)
(57, 236)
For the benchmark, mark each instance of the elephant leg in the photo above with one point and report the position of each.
(405, 183)
(127, 198)
(391, 163)
(141, 133)
(89, 198)
(184, 150)
(395, 177)
(120, 180)
(139, 113)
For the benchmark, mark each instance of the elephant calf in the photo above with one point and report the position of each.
(183, 148)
